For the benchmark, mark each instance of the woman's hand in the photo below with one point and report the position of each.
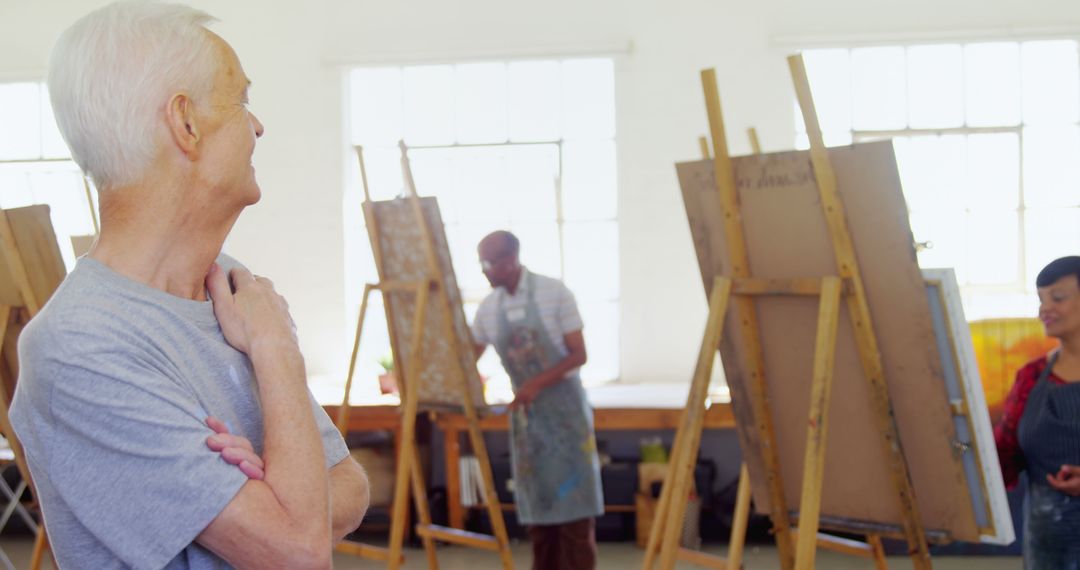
(1066, 480)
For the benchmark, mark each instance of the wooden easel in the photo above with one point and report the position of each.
(33, 269)
(794, 551)
(408, 459)
(872, 548)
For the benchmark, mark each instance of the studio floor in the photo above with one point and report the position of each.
(613, 556)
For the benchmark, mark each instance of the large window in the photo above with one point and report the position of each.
(35, 165)
(988, 144)
(527, 146)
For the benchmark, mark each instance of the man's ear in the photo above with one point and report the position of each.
(180, 117)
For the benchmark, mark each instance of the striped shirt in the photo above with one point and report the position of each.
(555, 303)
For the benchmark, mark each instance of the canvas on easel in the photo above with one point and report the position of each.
(821, 315)
(30, 272)
(775, 191)
(433, 352)
(447, 360)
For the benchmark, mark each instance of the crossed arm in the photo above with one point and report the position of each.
(292, 515)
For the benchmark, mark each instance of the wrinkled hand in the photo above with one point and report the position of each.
(250, 309)
(524, 396)
(1066, 480)
(234, 449)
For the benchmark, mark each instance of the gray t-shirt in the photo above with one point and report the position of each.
(116, 381)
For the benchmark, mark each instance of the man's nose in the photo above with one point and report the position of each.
(258, 126)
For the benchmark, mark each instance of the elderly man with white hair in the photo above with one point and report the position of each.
(162, 399)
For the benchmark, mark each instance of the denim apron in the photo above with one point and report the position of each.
(555, 466)
(1049, 434)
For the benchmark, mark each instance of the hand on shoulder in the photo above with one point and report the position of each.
(251, 313)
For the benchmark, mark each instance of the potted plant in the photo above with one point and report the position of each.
(387, 380)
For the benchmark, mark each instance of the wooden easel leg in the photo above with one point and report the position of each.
(452, 451)
(41, 543)
(680, 494)
(343, 411)
(740, 520)
(407, 451)
(817, 432)
(491, 498)
(862, 323)
(755, 381)
(41, 540)
(663, 514)
(399, 512)
(878, 552)
(419, 492)
(680, 476)
(342, 421)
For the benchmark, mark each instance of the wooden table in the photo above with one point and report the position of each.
(369, 418)
(718, 416)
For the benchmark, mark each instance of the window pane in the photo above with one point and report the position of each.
(1051, 83)
(433, 172)
(14, 187)
(992, 247)
(478, 181)
(531, 175)
(480, 90)
(534, 100)
(601, 341)
(20, 116)
(879, 88)
(837, 138)
(993, 171)
(980, 305)
(591, 258)
(992, 84)
(1052, 166)
(70, 214)
(935, 86)
(1051, 233)
(63, 191)
(383, 166)
(932, 171)
(944, 230)
(588, 96)
(463, 114)
(540, 247)
(376, 106)
(588, 184)
(429, 105)
(830, 70)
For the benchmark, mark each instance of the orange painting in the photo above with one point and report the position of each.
(1003, 346)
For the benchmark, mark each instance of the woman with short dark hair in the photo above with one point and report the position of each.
(1039, 431)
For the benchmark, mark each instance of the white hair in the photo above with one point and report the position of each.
(111, 76)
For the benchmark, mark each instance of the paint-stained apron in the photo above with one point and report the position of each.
(1049, 434)
(555, 467)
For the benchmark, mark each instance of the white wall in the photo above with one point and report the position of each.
(295, 53)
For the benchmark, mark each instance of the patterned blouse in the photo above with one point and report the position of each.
(1005, 432)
